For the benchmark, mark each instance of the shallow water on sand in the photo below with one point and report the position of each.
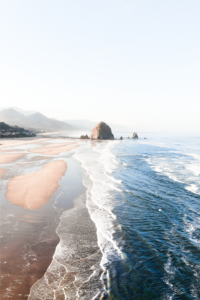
(28, 237)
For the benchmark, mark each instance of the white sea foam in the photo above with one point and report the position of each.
(98, 163)
(193, 188)
(191, 227)
(194, 155)
(180, 169)
(194, 168)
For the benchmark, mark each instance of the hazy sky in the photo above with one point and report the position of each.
(135, 63)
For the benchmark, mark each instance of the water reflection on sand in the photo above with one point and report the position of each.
(28, 237)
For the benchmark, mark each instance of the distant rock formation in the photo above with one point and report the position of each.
(135, 136)
(121, 138)
(84, 137)
(101, 132)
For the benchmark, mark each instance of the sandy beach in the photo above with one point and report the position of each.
(39, 188)
(40, 158)
(35, 189)
(6, 158)
(5, 143)
(2, 172)
(53, 149)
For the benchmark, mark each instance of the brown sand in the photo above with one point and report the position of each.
(2, 172)
(35, 189)
(53, 151)
(10, 157)
(27, 256)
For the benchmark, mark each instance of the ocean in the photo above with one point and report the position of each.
(123, 224)
(145, 203)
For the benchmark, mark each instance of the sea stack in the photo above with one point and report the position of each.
(135, 136)
(101, 132)
(84, 137)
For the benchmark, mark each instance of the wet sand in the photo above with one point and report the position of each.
(40, 158)
(9, 150)
(7, 158)
(54, 150)
(3, 172)
(28, 236)
(26, 252)
(57, 145)
(18, 142)
(75, 269)
(33, 190)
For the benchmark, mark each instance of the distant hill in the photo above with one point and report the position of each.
(35, 121)
(7, 131)
(89, 125)
(20, 110)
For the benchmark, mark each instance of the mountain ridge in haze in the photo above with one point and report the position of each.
(35, 121)
(20, 110)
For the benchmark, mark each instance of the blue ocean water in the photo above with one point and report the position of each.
(157, 212)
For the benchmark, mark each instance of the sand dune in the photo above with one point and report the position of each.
(10, 157)
(35, 189)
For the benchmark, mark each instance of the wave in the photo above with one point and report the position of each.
(98, 164)
(75, 270)
(87, 232)
(179, 169)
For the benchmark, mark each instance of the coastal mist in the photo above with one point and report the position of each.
(145, 202)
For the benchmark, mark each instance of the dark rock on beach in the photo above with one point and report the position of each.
(135, 136)
(84, 137)
(101, 132)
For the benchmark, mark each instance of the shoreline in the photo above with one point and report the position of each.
(67, 229)
(28, 236)
(77, 264)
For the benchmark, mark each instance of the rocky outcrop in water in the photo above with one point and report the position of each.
(101, 132)
(84, 137)
(135, 136)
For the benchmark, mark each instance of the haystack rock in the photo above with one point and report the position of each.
(135, 136)
(101, 132)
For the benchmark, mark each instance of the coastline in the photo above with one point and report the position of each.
(75, 269)
(31, 238)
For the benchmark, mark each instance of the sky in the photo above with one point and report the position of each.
(134, 63)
